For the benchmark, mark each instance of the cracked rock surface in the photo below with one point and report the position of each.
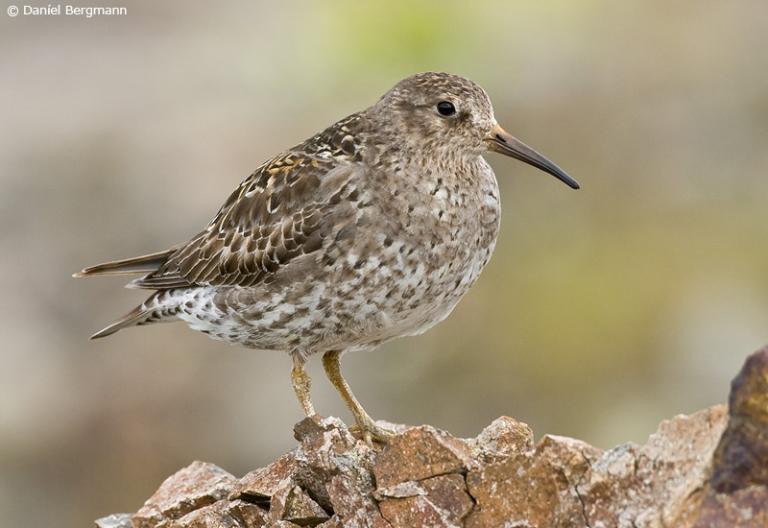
(709, 469)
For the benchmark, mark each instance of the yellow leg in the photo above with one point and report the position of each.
(301, 384)
(365, 424)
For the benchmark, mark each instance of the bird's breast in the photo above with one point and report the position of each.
(455, 211)
(434, 232)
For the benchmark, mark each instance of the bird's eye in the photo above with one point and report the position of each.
(446, 108)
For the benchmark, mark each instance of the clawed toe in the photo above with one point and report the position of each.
(370, 432)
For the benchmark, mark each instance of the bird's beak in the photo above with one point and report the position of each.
(499, 140)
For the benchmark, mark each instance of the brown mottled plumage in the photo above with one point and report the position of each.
(370, 230)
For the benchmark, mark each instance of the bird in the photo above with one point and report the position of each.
(370, 230)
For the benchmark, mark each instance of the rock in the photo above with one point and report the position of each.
(440, 501)
(420, 453)
(189, 489)
(736, 493)
(647, 484)
(744, 508)
(224, 514)
(333, 522)
(250, 515)
(261, 485)
(741, 458)
(706, 470)
(352, 500)
(302, 510)
(505, 437)
(116, 520)
(449, 494)
(337, 471)
(537, 487)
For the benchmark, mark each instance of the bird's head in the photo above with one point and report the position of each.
(452, 116)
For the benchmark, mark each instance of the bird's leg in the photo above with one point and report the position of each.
(365, 424)
(301, 383)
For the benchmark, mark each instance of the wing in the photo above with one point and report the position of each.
(287, 208)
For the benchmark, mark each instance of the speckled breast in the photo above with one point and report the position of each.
(430, 240)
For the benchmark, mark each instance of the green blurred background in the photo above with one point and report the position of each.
(602, 312)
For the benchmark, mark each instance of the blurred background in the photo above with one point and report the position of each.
(602, 312)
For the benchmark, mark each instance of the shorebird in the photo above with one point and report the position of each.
(370, 230)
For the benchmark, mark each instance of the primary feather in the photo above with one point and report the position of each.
(129, 266)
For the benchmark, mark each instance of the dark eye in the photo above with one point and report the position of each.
(446, 108)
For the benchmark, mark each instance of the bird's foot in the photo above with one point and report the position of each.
(369, 432)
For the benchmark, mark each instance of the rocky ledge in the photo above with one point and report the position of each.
(706, 470)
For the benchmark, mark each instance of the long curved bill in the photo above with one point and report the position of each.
(505, 143)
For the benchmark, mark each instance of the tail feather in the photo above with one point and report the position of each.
(136, 316)
(130, 266)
